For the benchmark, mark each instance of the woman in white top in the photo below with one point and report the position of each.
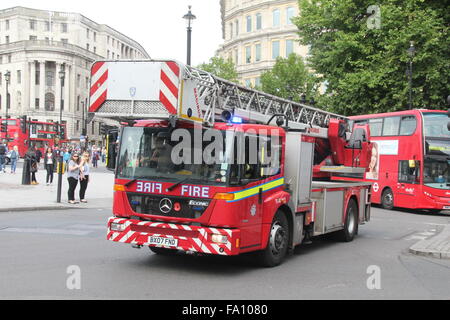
(84, 176)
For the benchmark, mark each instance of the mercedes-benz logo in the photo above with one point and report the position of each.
(165, 205)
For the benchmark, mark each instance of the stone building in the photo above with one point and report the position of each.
(35, 45)
(256, 32)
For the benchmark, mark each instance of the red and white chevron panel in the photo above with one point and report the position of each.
(190, 238)
(170, 83)
(99, 89)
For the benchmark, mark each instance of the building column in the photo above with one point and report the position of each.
(32, 85)
(42, 85)
(67, 82)
(57, 88)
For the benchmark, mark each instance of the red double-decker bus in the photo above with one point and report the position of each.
(410, 165)
(35, 133)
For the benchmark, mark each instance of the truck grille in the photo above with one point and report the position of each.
(178, 207)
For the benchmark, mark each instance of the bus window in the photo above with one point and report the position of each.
(407, 125)
(391, 126)
(375, 126)
(409, 171)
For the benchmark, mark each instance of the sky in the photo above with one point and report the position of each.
(155, 24)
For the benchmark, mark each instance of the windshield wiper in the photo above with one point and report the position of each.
(177, 184)
(134, 180)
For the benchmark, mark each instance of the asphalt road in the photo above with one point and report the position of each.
(65, 255)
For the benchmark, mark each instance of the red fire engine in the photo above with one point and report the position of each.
(269, 187)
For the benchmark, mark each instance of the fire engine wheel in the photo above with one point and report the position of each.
(351, 222)
(277, 245)
(163, 251)
(387, 199)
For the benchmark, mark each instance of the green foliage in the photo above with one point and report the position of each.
(366, 67)
(221, 68)
(289, 79)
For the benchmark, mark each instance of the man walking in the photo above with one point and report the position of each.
(3, 152)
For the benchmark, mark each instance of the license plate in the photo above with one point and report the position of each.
(446, 208)
(168, 242)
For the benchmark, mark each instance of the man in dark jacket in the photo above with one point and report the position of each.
(3, 152)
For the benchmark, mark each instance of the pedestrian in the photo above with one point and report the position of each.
(49, 164)
(38, 156)
(103, 155)
(14, 158)
(73, 174)
(84, 176)
(66, 156)
(95, 158)
(33, 165)
(3, 152)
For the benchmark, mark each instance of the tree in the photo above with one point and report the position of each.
(221, 68)
(290, 79)
(361, 51)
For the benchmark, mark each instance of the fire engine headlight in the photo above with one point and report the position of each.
(219, 238)
(119, 227)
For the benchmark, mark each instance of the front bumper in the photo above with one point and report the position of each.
(190, 238)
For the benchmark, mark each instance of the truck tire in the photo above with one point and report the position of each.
(387, 199)
(277, 244)
(163, 251)
(351, 222)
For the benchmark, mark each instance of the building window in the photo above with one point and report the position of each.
(9, 58)
(258, 82)
(248, 83)
(78, 103)
(33, 38)
(87, 82)
(289, 47)
(258, 52)
(65, 41)
(19, 76)
(248, 54)
(236, 24)
(47, 26)
(276, 17)
(87, 33)
(78, 80)
(231, 31)
(289, 15)
(107, 54)
(36, 103)
(7, 39)
(50, 78)
(95, 49)
(1, 60)
(107, 39)
(33, 24)
(78, 126)
(49, 102)
(37, 77)
(258, 21)
(64, 27)
(236, 57)
(275, 49)
(6, 24)
(95, 36)
(249, 23)
(87, 46)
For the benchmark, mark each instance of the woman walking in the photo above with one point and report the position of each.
(49, 163)
(84, 176)
(14, 158)
(72, 176)
(33, 164)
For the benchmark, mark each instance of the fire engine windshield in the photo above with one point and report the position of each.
(437, 151)
(177, 155)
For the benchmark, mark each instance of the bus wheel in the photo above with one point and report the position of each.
(351, 222)
(163, 251)
(277, 245)
(387, 199)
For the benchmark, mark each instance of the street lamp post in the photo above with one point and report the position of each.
(7, 80)
(411, 51)
(189, 17)
(62, 75)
